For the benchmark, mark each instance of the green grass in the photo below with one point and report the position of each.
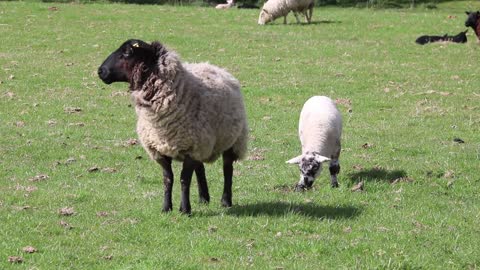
(408, 103)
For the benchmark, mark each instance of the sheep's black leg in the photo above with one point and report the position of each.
(204, 196)
(166, 163)
(334, 170)
(228, 158)
(189, 166)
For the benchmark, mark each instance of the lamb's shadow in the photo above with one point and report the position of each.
(376, 174)
(279, 209)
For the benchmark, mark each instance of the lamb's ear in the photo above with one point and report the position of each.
(321, 159)
(467, 12)
(295, 160)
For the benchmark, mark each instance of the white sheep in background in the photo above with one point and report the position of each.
(319, 129)
(188, 112)
(274, 9)
(229, 4)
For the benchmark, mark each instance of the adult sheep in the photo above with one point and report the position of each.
(188, 112)
(274, 9)
(473, 21)
(319, 129)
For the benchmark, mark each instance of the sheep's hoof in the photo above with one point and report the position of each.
(167, 209)
(186, 211)
(300, 188)
(335, 185)
(226, 202)
(204, 200)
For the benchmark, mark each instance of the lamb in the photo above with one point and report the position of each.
(473, 21)
(459, 38)
(273, 9)
(187, 112)
(320, 129)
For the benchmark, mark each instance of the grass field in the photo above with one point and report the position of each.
(67, 142)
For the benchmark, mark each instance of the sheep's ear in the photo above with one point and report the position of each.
(467, 12)
(295, 160)
(321, 159)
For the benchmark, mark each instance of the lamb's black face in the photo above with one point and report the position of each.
(472, 19)
(310, 168)
(118, 66)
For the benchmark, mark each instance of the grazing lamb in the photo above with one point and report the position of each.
(188, 112)
(273, 9)
(319, 129)
(229, 4)
(473, 21)
(459, 38)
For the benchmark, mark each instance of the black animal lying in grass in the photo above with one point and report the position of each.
(473, 21)
(460, 38)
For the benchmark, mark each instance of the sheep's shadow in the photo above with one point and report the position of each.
(278, 209)
(322, 22)
(376, 174)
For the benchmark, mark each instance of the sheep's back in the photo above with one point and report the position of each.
(320, 126)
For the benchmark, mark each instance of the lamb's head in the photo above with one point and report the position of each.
(310, 165)
(472, 19)
(120, 65)
(265, 17)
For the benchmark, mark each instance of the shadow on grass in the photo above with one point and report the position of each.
(282, 209)
(376, 174)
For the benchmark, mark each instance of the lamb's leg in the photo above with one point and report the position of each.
(285, 19)
(334, 170)
(228, 158)
(310, 13)
(166, 163)
(189, 165)
(204, 196)
(296, 17)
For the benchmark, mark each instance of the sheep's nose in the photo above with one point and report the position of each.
(102, 73)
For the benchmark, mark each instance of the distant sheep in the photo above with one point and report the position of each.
(320, 131)
(459, 38)
(188, 112)
(274, 9)
(229, 4)
(473, 21)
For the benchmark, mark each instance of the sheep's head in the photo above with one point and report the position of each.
(119, 66)
(265, 17)
(472, 19)
(310, 165)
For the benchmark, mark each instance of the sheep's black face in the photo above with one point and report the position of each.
(472, 19)
(118, 67)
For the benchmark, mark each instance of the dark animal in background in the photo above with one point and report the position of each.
(187, 112)
(459, 38)
(473, 21)
(248, 6)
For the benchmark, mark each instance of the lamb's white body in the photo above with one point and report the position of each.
(320, 131)
(201, 113)
(274, 9)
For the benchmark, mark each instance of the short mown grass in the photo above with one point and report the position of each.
(403, 105)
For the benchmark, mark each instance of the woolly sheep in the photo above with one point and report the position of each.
(188, 112)
(274, 9)
(473, 21)
(319, 129)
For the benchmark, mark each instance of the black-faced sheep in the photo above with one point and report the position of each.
(473, 21)
(274, 9)
(320, 131)
(459, 38)
(188, 112)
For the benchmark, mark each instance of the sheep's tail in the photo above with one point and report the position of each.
(240, 146)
